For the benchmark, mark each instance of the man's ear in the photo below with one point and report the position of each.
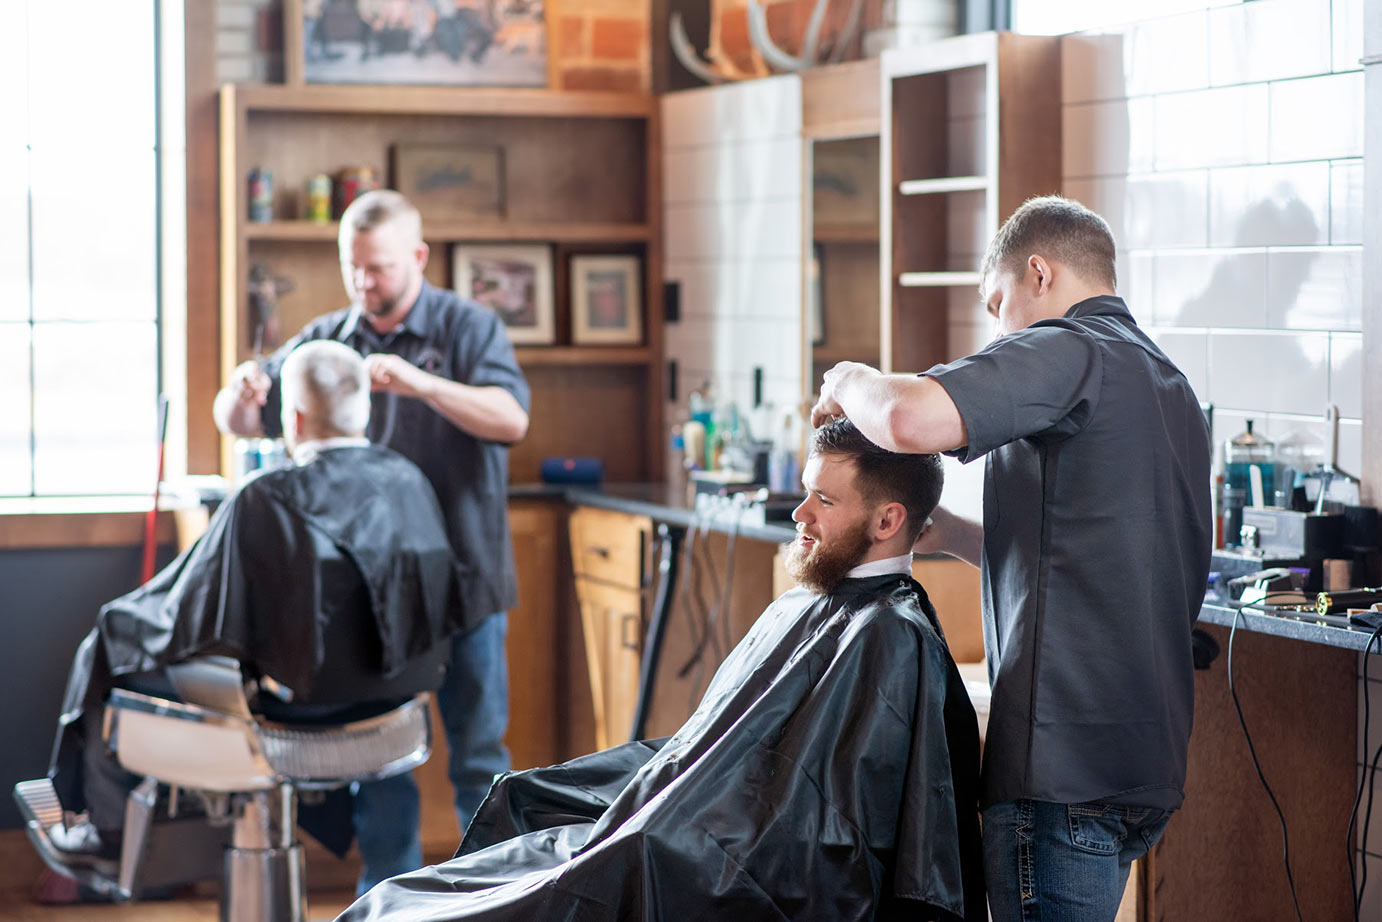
(1039, 274)
(420, 255)
(888, 521)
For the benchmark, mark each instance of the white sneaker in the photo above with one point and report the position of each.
(78, 839)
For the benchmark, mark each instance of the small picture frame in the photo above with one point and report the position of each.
(451, 182)
(606, 300)
(513, 280)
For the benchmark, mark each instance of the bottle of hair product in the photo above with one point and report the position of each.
(1249, 478)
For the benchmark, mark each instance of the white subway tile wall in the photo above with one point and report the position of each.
(733, 220)
(1222, 141)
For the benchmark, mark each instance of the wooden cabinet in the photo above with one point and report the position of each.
(581, 174)
(608, 551)
(537, 640)
(970, 129)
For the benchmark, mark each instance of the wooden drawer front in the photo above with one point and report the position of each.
(608, 546)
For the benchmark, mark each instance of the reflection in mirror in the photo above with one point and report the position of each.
(842, 292)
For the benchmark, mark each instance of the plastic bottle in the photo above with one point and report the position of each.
(783, 476)
(1243, 454)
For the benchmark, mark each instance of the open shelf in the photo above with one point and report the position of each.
(939, 279)
(943, 184)
(464, 232)
(534, 356)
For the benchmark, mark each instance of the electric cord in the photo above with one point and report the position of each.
(1252, 750)
(1358, 877)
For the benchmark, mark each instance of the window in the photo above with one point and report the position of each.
(79, 244)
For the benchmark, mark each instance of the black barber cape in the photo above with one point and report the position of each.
(830, 773)
(281, 556)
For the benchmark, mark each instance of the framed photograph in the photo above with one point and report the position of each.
(606, 300)
(453, 43)
(451, 182)
(515, 281)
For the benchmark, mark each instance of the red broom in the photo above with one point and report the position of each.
(146, 572)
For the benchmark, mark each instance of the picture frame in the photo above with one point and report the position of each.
(482, 43)
(450, 182)
(606, 300)
(513, 280)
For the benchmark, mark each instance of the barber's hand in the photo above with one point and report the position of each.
(934, 537)
(249, 384)
(828, 406)
(396, 375)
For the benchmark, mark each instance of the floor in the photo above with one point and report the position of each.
(17, 907)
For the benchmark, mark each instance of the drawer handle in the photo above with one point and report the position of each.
(624, 633)
(598, 551)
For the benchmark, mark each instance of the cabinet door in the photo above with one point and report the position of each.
(612, 622)
(608, 546)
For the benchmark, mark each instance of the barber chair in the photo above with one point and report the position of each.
(246, 772)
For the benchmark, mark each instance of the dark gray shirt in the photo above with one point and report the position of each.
(465, 342)
(1097, 539)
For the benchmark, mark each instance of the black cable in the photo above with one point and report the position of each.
(1252, 750)
(1357, 881)
(724, 612)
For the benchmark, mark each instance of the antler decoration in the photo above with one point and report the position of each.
(721, 69)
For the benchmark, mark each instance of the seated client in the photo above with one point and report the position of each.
(829, 773)
(333, 577)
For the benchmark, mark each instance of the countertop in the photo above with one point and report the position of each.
(662, 504)
(1349, 638)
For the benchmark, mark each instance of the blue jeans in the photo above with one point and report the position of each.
(1063, 862)
(474, 702)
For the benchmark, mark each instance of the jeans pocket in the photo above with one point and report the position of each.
(1097, 829)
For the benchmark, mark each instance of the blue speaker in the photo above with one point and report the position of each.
(572, 470)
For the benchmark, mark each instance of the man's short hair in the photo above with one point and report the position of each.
(327, 382)
(376, 208)
(884, 476)
(1060, 229)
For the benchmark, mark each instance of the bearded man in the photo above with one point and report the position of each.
(829, 773)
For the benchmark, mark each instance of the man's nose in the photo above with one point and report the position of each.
(801, 513)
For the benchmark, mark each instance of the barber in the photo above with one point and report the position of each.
(1094, 550)
(450, 398)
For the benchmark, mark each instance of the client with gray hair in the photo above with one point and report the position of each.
(330, 576)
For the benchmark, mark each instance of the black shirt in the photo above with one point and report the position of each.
(465, 342)
(1097, 539)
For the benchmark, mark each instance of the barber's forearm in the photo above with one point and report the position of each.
(966, 540)
(488, 413)
(902, 413)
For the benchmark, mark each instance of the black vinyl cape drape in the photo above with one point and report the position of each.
(830, 773)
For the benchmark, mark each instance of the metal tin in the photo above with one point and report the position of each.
(351, 183)
(319, 198)
(261, 195)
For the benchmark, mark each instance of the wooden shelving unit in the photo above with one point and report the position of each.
(955, 163)
(582, 173)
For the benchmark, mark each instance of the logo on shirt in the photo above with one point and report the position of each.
(429, 359)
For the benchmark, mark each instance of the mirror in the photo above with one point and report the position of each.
(841, 292)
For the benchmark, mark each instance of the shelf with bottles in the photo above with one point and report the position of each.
(574, 172)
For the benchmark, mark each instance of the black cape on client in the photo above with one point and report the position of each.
(830, 773)
(355, 528)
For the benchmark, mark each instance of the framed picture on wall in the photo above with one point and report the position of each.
(513, 280)
(465, 43)
(451, 182)
(606, 300)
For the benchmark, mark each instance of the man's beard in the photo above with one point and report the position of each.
(820, 568)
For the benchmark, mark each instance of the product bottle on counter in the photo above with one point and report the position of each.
(783, 476)
(1249, 460)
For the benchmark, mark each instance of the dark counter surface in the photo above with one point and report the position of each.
(1350, 638)
(660, 503)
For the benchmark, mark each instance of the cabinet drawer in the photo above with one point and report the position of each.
(608, 546)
